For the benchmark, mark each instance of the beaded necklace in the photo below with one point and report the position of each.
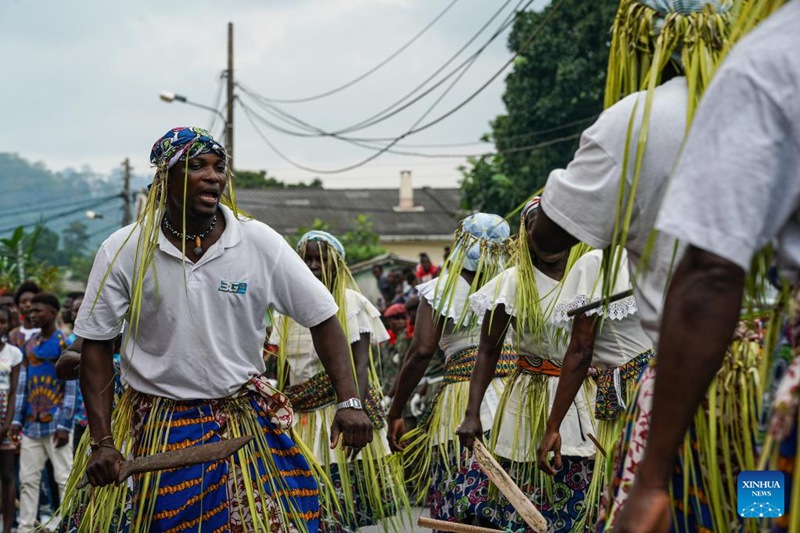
(197, 238)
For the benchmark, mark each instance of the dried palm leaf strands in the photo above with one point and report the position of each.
(480, 245)
(148, 425)
(374, 481)
(693, 37)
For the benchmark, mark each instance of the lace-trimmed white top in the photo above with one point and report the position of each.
(621, 336)
(301, 356)
(452, 341)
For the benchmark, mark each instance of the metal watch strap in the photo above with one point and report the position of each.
(352, 403)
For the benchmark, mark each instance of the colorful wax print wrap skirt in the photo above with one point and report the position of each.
(357, 493)
(266, 486)
(457, 489)
(720, 443)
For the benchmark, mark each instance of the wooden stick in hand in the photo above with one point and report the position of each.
(504, 483)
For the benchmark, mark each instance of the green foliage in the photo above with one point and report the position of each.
(360, 243)
(75, 239)
(17, 262)
(250, 179)
(558, 80)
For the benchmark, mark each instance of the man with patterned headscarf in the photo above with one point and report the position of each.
(662, 57)
(192, 281)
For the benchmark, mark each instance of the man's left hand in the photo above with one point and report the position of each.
(551, 442)
(61, 438)
(355, 429)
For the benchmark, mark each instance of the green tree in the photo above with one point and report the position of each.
(554, 92)
(75, 239)
(17, 262)
(251, 179)
(46, 247)
(360, 242)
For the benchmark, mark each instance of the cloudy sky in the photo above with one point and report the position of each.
(81, 80)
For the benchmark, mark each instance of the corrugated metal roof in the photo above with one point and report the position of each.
(286, 210)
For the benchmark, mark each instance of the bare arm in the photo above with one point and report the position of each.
(97, 386)
(700, 315)
(419, 355)
(547, 237)
(573, 373)
(68, 365)
(331, 346)
(493, 332)
(361, 359)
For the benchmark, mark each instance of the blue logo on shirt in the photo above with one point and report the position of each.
(234, 287)
(760, 494)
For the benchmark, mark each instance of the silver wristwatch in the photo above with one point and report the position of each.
(352, 403)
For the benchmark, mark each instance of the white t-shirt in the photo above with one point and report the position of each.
(203, 327)
(10, 356)
(738, 182)
(583, 198)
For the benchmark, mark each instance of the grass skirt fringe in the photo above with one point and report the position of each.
(561, 499)
(354, 494)
(435, 437)
(719, 444)
(267, 486)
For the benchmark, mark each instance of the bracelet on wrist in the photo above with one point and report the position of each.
(94, 444)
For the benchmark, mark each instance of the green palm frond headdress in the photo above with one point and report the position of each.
(530, 316)
(479, 246)
(647, 36)
(336, 275)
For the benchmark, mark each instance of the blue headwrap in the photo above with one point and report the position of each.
(183, 143)
(686, 6)
(483, 227)
(324, 236)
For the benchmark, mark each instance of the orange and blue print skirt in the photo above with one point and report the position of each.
(266, 486)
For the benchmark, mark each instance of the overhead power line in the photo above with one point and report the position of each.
(417, 128)
(393, 109)
(59, 215)
(370, 71)
(22, 211)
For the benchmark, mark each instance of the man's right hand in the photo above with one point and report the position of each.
(103, 466)
(469, 430)
(397, 429)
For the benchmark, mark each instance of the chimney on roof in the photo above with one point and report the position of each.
(407, 193)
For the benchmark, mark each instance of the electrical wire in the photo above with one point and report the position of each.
(414, 129)
(370, 71)
(59, 215)
(390, 111)
(217, 101)
(39, 207)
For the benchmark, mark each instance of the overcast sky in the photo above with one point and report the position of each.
(81, 79)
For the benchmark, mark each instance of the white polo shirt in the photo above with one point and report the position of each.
(202, 324)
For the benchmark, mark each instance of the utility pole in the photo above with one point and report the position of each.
(229, 121)
(126, 193)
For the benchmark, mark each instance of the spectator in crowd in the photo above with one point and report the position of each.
(10, 359)
(7, 299)
(45, 409)
(384, 285)
(426, 270)
(411, 309)
(410, 283)
(22, 298)
(67, 315)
